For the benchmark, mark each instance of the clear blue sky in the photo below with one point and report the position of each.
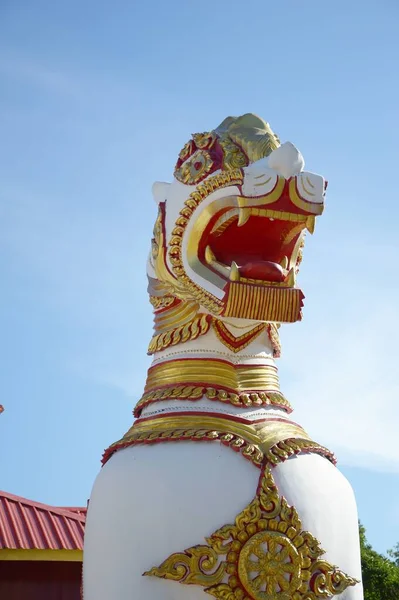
(96, 100)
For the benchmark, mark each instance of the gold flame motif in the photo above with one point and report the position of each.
(263, 555)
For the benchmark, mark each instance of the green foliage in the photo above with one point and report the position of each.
(394, 554)
(380, 574)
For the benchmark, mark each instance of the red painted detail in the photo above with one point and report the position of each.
(312, 582)
(257, 247)
(27, 525)
(242, 340)
(264, 270)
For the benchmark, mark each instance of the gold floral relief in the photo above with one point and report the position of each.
(195, 168)
(263, 555)
(186, 150)
(233, 156)
(204, 140)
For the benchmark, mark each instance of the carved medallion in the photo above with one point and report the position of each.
(264, 555)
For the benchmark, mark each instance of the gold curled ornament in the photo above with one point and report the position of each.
(263, 555)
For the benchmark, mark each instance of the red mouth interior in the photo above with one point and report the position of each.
(257, 247)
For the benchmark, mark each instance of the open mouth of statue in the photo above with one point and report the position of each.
(255, 245)
(248, 249)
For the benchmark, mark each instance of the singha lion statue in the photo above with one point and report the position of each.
(215, 488)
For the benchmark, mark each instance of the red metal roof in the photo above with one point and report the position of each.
(27, 525)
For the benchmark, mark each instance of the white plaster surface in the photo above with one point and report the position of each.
(151, 501)
(286, 160)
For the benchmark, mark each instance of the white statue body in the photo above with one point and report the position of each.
(214, 443)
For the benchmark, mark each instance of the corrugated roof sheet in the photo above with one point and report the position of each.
(27, 525)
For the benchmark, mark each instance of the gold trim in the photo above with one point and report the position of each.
(262, 182)
(167, 335)
(212, 372)
(263, 555)
(194, 240)
(224, 179)
(41, 555)
(264, 434)
(175, 316)
(315, 208)
(161, 301)
(158, 254)
(270, 198)
(216, 394)
(281, 451)
(261, 303)
(236, 343)
(272, 440)
(272, 330)
(191, 331)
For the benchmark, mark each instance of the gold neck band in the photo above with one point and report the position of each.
(191, 379)
(213, 372)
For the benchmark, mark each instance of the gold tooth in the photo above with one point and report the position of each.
(222, 269)
(234, 272)
(209, 255)
(284, 262)
(310, 224)
(243, 216)
(290, 279)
